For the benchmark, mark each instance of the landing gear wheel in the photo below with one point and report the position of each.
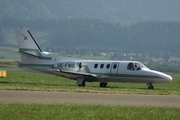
(103, 84)
(151, 87)
(82, 84)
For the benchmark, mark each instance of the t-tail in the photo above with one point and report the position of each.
(31, 53)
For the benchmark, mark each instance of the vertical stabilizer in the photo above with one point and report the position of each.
(27, 43)
(28, 46)
(25, 39)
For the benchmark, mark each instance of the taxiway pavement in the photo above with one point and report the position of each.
(8, 96)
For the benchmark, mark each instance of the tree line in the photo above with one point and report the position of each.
(103, 35)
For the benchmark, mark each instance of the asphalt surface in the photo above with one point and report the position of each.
(7, 96)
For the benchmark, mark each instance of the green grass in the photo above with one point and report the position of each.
(45, 82)
(68, 111)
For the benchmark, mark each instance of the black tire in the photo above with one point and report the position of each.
(82, 84)
(103, 85)
(151, 87)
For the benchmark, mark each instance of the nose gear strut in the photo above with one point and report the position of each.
(150, 86)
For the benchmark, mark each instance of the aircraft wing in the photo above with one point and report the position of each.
(75, 73)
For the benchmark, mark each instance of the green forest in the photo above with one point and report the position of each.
(97, 34)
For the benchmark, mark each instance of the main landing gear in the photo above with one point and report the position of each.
(150, 86)
(82, 84)
(103, 84)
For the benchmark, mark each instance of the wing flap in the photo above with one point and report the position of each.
(81, 74)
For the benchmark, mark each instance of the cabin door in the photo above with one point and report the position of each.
(114, 68)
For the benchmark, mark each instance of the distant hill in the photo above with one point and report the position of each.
(123, 11)
(97, 34)
(94, 34)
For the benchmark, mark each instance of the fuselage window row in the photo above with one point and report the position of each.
(102, 66)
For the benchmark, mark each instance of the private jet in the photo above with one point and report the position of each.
(33, 59)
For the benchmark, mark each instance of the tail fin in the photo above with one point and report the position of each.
(27, 44)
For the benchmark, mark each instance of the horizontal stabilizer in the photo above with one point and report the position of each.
(28, 54)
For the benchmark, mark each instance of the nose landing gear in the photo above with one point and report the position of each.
(150, 86)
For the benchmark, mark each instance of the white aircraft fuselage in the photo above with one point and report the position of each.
(103, 71)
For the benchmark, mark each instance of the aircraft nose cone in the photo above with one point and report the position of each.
(168, 78)
(163, 77)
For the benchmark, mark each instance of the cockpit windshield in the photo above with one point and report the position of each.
(142, 65)
(135, 66)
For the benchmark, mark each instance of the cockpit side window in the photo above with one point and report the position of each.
(130, 66)
(137, 66)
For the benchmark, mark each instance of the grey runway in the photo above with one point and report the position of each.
(8, 96)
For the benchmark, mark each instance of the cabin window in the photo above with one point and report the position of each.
(96, 65)
(108, 66)
(101, 66)
(114, 66)
(130, 66)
